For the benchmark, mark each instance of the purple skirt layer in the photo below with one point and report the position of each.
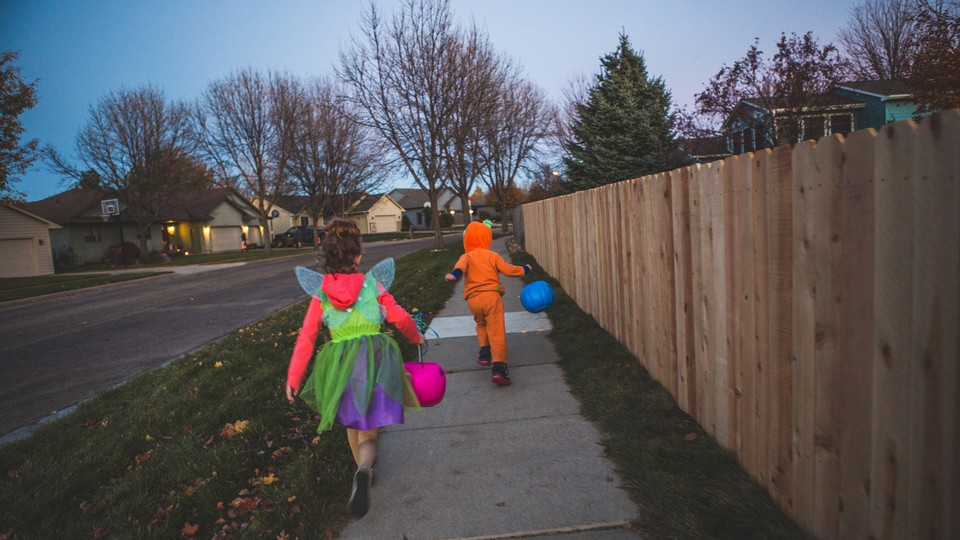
(382, 411)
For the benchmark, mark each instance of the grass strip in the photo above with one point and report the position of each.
(686, 483)
(19, 288)
(206, 447)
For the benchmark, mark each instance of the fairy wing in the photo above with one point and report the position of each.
(383, 272)
(310, 280)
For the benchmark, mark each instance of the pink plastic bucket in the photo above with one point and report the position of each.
(429, 382)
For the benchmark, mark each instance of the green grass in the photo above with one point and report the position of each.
(19, 288)
(686, 483)
(150, 458)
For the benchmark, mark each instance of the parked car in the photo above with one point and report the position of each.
(295, 237)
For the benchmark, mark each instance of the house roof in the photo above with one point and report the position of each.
(81, 205)
(884, 89)
(66, 207)
(823, 101)
(416, 198)
(48, 223)
(291, 203)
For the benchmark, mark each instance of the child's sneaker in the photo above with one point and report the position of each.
(360, 496)
(484, 357)
(501, 374)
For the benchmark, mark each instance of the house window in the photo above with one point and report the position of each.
(738, 142)
(758, 142)
(841, 123)
(92, 236)
(812, 128)
(304, 220)
(419, 218)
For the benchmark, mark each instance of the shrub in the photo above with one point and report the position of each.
(130, 253)
(446, 220)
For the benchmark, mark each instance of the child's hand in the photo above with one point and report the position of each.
(290, 393)
(450, 277)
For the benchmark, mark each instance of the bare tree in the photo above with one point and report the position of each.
(246, 127)
(401, 78)
(479, 69)
(521, 121)
(881, 39)
(335, 155)
(139, 145)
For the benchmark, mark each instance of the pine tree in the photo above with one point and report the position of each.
(625, 128)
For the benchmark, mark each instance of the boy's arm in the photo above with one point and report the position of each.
(458, 269)
(512, 270)
(399, 317)
(306, 341)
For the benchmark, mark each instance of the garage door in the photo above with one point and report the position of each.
(18, 258)
(225, 239)
(382, 224)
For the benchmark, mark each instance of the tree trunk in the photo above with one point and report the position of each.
(503, 218)
(465, 206)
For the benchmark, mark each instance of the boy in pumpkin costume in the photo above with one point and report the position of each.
(481, 268)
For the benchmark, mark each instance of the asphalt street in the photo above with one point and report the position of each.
(60, 350)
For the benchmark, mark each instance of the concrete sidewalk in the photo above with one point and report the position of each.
(495, 462)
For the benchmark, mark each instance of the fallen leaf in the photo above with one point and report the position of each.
(143, 457)
(84, 506)
(220, 505)
(283, 536)
(691, 436)
(218, 365)
(105, 422)
(291, 498)
(189, 490)
(282, 451)
(244, 505)
(186, 428)
(230, 430)
(269, 479)
(189, 530)
(100, 533)
(295, 509)
(13, 474)
(149, 438)
(90, 422)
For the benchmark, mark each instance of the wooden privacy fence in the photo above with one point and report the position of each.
(803, 305)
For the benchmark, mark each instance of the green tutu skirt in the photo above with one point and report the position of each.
(359, 383)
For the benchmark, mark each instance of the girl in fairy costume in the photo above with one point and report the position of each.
(358, 379)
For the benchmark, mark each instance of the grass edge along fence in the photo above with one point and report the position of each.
(803, 305)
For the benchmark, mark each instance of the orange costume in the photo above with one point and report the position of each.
(481, 269)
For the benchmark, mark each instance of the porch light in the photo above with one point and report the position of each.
(171, 229)
(245, 229)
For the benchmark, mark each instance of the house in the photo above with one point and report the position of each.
(206, 221)
(885, 101)
(25, 248)
(756, 122)
(376, 214)
(373, 213)
(416, 205)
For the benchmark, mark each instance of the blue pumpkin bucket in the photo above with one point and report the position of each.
(536, 296)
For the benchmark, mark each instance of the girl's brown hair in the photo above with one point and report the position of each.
(341, 246)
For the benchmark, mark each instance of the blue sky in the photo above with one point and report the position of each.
(80, 50)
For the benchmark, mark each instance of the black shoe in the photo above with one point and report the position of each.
(483, 359)
(501, 374)
(360, 496)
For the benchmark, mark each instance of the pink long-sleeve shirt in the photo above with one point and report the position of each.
(342, 290)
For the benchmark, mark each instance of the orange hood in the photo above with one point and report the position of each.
(477, 235)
